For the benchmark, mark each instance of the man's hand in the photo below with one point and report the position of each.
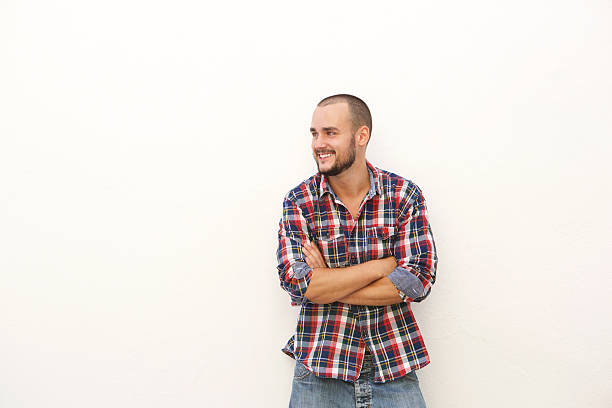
(314, 259)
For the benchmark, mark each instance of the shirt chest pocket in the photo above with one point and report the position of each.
(332, 244)
(380, 241)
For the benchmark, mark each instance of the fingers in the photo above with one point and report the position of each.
(311, 259)
(314, 259)
(315, 250)
(320, 257)
(317, 254)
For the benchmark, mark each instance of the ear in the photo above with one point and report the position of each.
(362, 136)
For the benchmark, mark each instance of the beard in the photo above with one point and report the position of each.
(342, 162)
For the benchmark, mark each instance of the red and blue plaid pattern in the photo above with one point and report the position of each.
(331, 339)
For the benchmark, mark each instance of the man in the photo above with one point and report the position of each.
(355, 250)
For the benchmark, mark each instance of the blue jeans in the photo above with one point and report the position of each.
(310, 391)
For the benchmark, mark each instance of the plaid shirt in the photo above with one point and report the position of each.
(331, 339)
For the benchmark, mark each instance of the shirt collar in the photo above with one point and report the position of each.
(325, 187)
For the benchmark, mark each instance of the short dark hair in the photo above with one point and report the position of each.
(359, 111)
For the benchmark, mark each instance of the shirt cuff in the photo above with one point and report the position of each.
(407, 284)
(300, 269)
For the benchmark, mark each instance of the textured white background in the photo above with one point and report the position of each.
(146, 147)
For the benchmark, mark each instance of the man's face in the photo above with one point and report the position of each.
(333, 143)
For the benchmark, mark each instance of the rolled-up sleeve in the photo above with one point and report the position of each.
(293, 271)
(414, 249)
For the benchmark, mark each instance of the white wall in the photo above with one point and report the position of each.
(146, 148)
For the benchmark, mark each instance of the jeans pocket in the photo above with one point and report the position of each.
(300, 372)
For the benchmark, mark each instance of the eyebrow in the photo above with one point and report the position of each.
(326, 128)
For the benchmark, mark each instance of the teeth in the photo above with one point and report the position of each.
(324, 155)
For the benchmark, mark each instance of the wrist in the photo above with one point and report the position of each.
(390, 264)
(383, 267)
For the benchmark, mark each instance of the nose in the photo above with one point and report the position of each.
(319, 142)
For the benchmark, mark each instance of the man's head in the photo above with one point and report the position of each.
(341, 128)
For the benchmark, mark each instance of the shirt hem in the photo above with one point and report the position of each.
(377, 380)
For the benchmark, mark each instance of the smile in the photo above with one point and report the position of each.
(324, 155)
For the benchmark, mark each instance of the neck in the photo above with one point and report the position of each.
(353, 182)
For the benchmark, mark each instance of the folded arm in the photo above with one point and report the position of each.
(329, 285)
(414, 247)
(317, 283)
(379, 292)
